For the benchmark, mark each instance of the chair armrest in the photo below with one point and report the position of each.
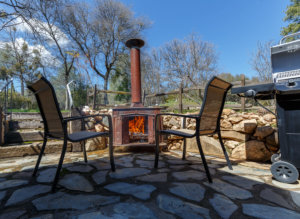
(179, 115)
(157, 128)
(68, 119)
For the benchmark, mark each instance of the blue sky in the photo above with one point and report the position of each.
(233, 26)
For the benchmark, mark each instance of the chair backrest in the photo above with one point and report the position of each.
(212, 106)
(49, 108)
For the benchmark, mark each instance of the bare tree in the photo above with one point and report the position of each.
(100, 33)
(261, 61)
(152, 68)
(189, 61)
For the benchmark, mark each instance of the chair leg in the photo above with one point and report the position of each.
(203, 159)
(111, 153)
(40, 156)
(156, 149)
(84, 150)
(224, 151)
(184, 149)
(61, 160)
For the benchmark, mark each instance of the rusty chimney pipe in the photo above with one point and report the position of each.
(136, 90)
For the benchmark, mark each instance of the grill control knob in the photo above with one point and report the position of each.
(250, 93)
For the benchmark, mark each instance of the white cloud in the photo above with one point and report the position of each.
(47, 58)
(43, 29)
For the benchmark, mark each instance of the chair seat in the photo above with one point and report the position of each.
(83, 135)
(187, 133)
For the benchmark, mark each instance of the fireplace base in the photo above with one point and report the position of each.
(120, 125)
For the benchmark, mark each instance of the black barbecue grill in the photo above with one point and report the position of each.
(285, 89)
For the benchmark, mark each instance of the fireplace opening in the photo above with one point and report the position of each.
(138, 129)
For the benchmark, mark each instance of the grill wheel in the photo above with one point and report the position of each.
(284, 172)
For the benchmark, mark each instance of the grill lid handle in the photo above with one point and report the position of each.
(287, 36)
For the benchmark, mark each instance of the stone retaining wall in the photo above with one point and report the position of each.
(246, 136)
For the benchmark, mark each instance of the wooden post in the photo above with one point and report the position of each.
(243, 98)
(180, 97)
(95, 97)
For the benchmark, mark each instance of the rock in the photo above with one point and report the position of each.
(46, 176)
(80, 168)
(99, 128)
(231, 144)
(233, 135)
(262, 132)
(191, 191)
(128, 172)
(100, 176)
(180, 208)
(26, 193)
(61, 200)
(173, 122)
(139, 191)
(223, 205)
(229, 190)
(269, 117)
(246, 182)
(256, 151)
(12, 183)
(133, 210)
(209, 145)
(227, 112)
(93, 144)
(159, 177)
(239, 152)
(235, 119)
(272, 139)
(246, 126)
(76, 182)
(270, 195)
(295, 196)
(225, 124)
(243, 170)
(190, 174)
(266, 211)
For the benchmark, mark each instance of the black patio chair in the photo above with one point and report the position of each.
(207, 121)
(55, 126)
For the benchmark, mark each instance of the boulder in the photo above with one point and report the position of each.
(272, 139)
(247, 126)
(235, 119)
(233, 135)
(227, 112)
(225, 124)
(239, 152)
(209, 145)
(269, 117)
(231, 144)
(96, 144)
(263, 131)
(252, 150)
(257, 151)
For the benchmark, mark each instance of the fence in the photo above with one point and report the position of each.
(152, 99)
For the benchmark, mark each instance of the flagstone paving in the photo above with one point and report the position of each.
(177, 189)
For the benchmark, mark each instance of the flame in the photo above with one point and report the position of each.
(136, 125)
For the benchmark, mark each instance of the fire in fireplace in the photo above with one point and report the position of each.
(138, 129)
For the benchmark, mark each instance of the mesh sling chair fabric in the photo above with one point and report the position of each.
(55, 126)
(207, 121)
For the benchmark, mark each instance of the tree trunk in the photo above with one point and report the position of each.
(67, 97)
(105, 88)
(22, 85)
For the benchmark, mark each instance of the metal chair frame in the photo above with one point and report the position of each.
(74, 137)
(197, 134)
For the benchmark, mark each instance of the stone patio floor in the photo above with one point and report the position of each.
(177, 189)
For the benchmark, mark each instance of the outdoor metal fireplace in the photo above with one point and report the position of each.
(134, 125)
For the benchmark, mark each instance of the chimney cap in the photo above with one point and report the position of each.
(135, 43)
